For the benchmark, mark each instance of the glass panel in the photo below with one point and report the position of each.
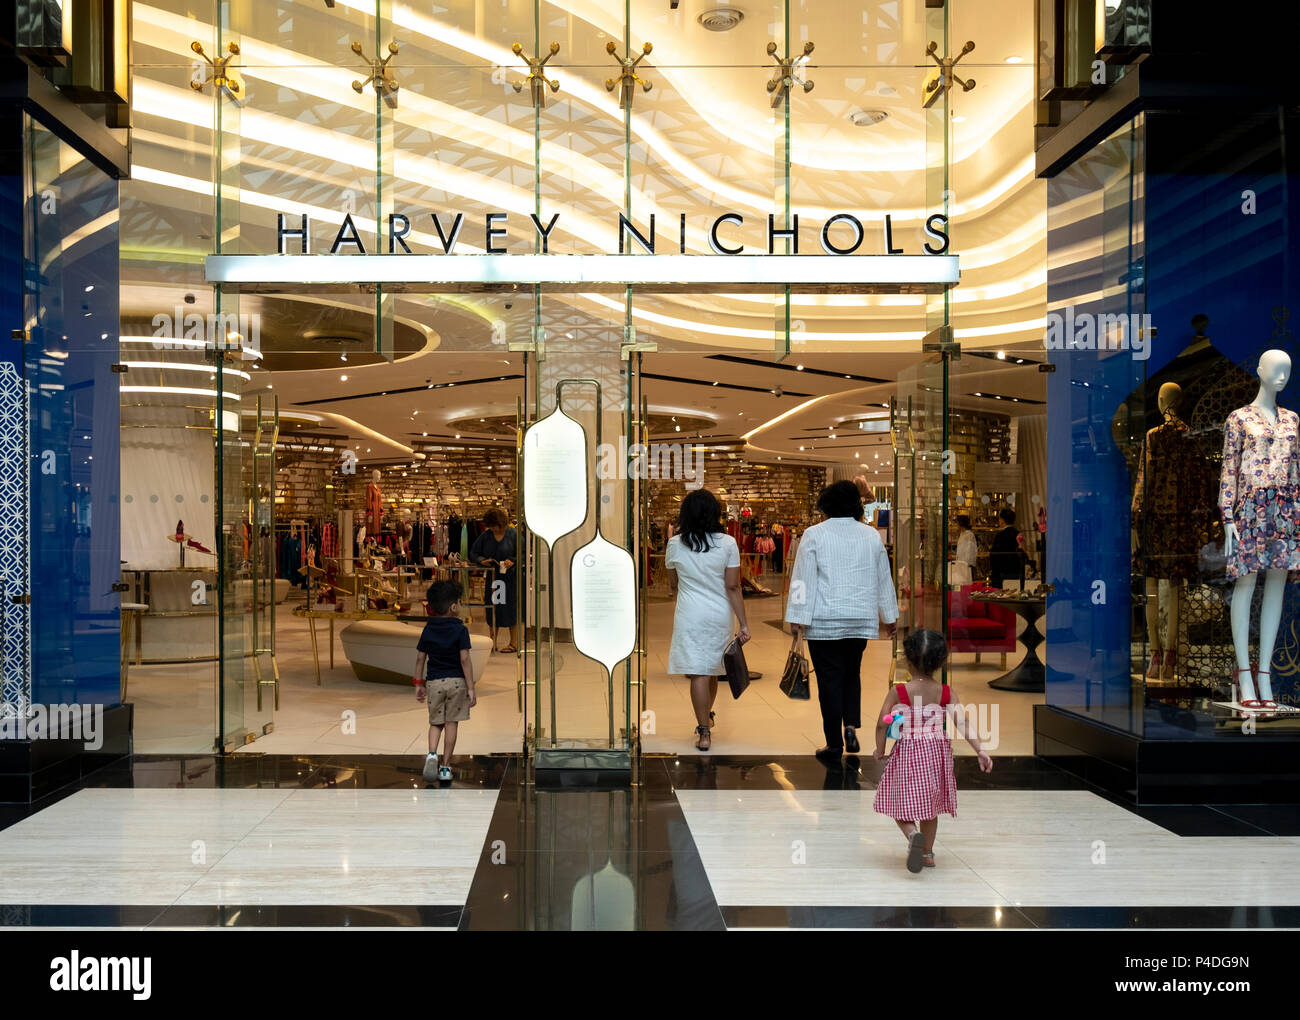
(1100, 413)
(169, 393)
(920, 437)
(65, 409)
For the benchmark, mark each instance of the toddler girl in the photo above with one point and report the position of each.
(917, 782)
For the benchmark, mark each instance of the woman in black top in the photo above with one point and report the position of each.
(498, 547)
(1005, 559)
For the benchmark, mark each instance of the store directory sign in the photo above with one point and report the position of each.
(603, 587)
(555, 477)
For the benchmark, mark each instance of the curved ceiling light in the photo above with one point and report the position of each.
(174, 367)
(188, 391)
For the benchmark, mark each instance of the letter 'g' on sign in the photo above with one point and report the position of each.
(603, 586)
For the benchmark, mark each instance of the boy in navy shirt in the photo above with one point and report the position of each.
(444, 675)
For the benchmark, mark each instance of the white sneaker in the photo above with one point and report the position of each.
(444, 774)
(431, 768)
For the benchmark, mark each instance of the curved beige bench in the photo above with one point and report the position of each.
(383, 651)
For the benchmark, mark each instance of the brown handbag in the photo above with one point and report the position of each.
(733, 660)
(794, 678)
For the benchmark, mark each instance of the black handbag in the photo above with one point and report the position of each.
(794, 678)
(733, 660)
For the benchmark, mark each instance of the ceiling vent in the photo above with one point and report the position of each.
(721, 19)
(865, 118)
(332, 340)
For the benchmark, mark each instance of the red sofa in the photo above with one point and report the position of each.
(978, 627)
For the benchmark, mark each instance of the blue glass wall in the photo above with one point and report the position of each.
(1178, 221)
(71, 312)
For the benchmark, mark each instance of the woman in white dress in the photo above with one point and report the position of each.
(705, 565)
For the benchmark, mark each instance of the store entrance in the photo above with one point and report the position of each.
(304, 670)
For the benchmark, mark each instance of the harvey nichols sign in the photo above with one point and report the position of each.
(647, 256)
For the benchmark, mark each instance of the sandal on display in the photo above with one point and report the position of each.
(915, 851)
(702, 741)
(1265, 702)
(1157, 661)
(1250, 703)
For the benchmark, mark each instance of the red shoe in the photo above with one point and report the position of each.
(1253, 702)
(1264, 702)
(1153, 672)
(198, 545)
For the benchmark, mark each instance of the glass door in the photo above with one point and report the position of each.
(922, 465)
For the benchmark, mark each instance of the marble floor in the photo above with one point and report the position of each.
(247, 848)
(697, 843)
(1007, 848)
(175, 705)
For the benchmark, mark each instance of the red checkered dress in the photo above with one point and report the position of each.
(917, 783)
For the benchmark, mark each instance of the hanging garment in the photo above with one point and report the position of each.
(374, 509)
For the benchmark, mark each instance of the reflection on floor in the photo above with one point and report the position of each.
(175, 704)
(700, 843)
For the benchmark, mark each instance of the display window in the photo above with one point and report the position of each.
(1177, 618)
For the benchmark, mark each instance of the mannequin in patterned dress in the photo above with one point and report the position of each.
(1259, 489)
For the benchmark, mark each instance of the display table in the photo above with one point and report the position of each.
(479, 651)
(312, 615)
(384, 651)
(1029, 676)
(174, 628)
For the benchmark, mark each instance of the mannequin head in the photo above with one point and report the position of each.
(374, 476)
(1170, 396)
(1274, 371)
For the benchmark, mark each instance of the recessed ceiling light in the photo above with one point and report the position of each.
(1013, 60)
(866, 118)
(720, 19)
(797, 368)
(958, 119)
(343, 378)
